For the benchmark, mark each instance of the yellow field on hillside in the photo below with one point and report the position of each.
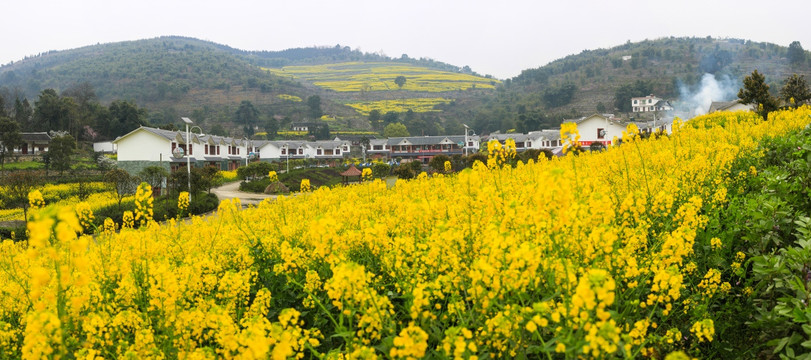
(379, 76)
(417, 105)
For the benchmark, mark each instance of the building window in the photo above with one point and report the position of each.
(191, 147)
(601, 133)
(337, 151)
(300, 151)
(318, 152)
(635, 101)
(284, 151)
(218, 150)
(205, 148)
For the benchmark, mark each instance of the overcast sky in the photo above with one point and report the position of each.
(497, 37)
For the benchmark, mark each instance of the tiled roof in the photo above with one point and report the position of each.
(35, 136)
(432, 140)
(352, 171)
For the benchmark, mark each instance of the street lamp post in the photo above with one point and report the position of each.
(466, 141)
(188, 157)
(247, 149)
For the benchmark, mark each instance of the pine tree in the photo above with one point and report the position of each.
(755, 91)
(795, 90)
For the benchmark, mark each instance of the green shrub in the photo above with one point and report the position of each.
(255, 186)
(381, 170)
(438, 163)
(403, 172)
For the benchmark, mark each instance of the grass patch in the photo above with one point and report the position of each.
(318, 177)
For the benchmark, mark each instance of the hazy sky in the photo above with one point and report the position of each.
(497, 37)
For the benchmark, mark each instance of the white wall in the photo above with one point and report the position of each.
(588, 130)
(106, 146)
(144, 146)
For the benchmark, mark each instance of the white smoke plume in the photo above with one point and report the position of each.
(697, 101)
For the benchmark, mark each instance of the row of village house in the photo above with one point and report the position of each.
(148, 146)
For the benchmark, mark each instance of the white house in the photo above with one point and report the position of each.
(650, 103)
(280, 150)
(105, 147)
(543, 139)
(147, 146)
(33, 143)
(601, 129)
(730, 106)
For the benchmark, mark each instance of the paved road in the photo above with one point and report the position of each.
(231, 191)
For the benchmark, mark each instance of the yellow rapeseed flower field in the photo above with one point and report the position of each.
(379, 76)
(418, 105)
(581, 256)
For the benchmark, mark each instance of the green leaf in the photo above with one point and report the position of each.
(782, 343)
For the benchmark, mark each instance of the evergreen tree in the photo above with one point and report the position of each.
(795, 90)
(314, 106)
(374, 119)
(9, 138)
(60, 150)
(248, 116)
(796, 54)
(755, 91)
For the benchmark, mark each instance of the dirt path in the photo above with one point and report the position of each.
(231, 191)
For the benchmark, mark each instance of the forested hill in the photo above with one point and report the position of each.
(177, 76)
(604, 80)
(152, 72)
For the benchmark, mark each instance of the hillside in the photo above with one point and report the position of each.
(586, 83)
(176, 76)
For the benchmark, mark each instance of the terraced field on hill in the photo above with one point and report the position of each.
(379, 76)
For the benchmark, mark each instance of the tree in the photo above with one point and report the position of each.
(795, 90)
(124, 117)
(390, 117)
(247, 115)
(54, 113)
(271, 127)
(218, 130)
(395, 130)
(374, 119)
(796, 54)
(17, 186)
(153, 175)
(400, 81)
(755, 91)
(60, 150)
(23, 113)
(87, 108)
(558, 96)
(9, 139)
(314, 106)
(122, 183)
(319, 132)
